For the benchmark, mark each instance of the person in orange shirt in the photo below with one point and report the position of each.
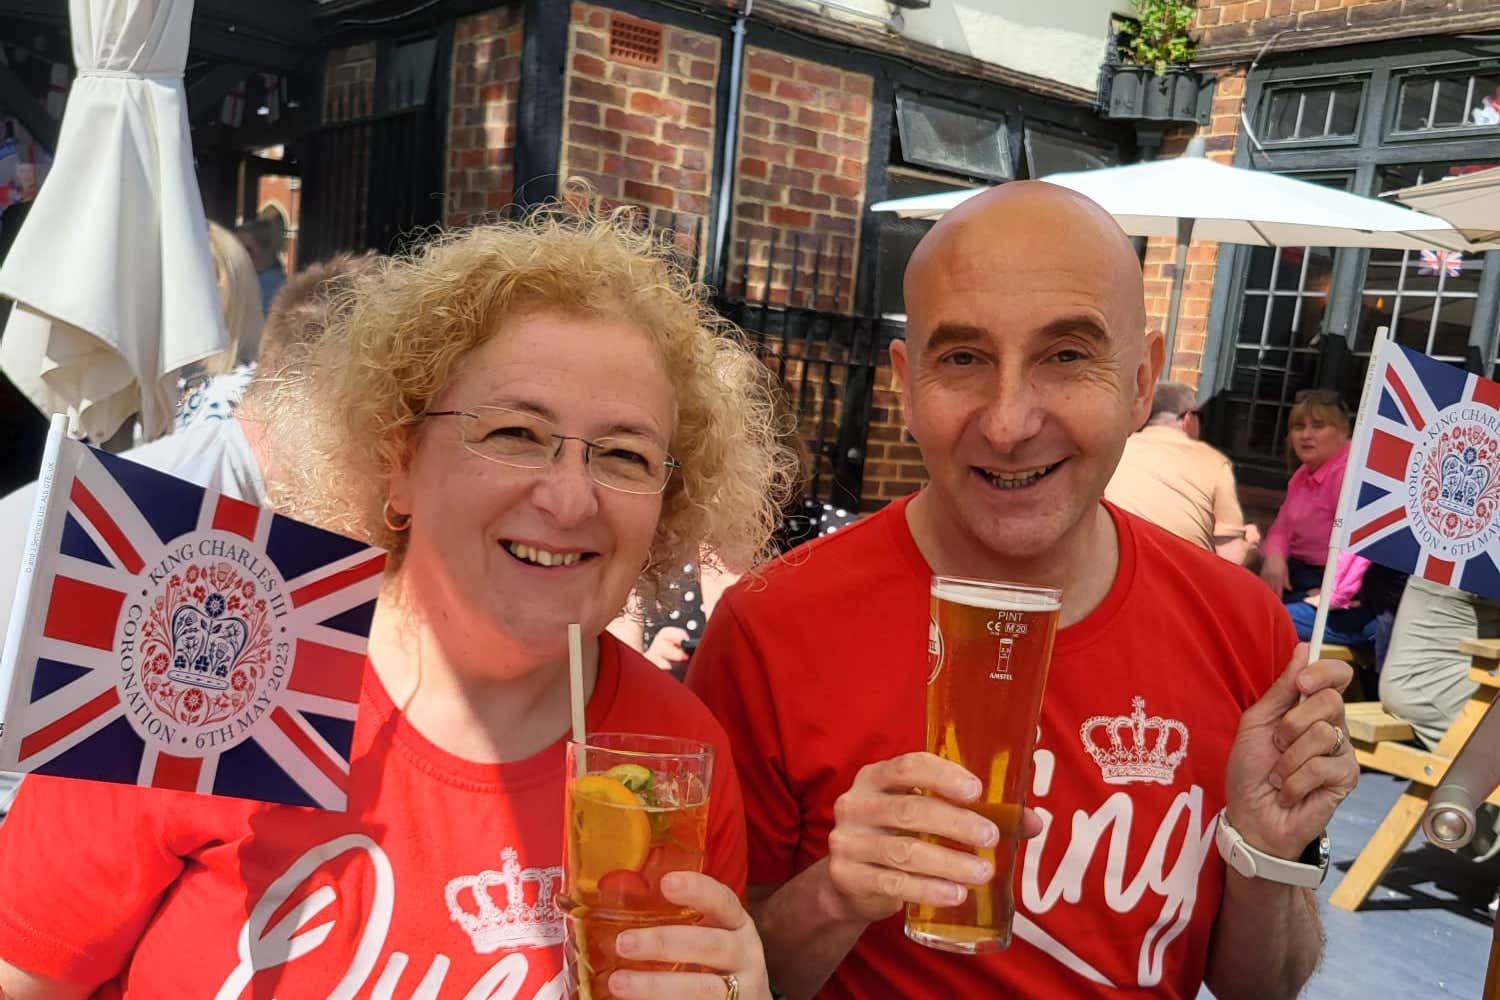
(1172, 479)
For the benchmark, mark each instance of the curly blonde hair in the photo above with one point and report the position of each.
(349, 404)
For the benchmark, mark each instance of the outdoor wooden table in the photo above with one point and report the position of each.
(1377, 738)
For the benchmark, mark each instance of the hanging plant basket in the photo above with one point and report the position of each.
(1140, 93)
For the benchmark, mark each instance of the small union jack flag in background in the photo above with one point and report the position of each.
(172, 637)
(1426, 465)
(1433, 261)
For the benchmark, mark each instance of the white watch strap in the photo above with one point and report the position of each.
(1252, 863)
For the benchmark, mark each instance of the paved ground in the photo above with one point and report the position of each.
(1423, 933)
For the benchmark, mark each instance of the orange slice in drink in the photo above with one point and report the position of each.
(610, 829)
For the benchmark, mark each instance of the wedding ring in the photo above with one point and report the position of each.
(1338, 741)
(731, 987)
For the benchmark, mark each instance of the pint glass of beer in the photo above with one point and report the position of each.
(988, 647)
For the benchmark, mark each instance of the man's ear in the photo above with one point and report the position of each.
(1153, 357)
(900, 366)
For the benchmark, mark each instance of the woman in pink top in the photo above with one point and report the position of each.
(1296, 546)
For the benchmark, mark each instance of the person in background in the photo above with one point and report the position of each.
(211, 388)
(668, 629)
(1425, 679)
(1362, 606)
(1172, 479)
(263, 237)
(523, 415)
(1295, 548)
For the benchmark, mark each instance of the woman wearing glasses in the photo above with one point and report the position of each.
(534, 418)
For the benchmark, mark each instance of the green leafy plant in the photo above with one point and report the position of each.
(1160, 36)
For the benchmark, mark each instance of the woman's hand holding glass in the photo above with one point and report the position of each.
(724, 941)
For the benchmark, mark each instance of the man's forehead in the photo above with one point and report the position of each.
(1041, 246)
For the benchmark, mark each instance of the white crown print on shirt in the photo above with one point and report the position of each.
(524, 914)
(1139, 748)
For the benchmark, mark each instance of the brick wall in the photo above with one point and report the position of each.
(893, 463)
(349, 83)
(482, 122)
(1232, 29)
(642, 134)
(800, 168)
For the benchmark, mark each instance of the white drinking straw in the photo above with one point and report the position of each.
(575, 690)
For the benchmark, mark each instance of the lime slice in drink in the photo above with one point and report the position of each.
(632, 776)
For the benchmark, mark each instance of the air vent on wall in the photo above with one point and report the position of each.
(634, 41)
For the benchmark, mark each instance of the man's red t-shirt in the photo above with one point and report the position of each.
(819, 667)
(437, 883)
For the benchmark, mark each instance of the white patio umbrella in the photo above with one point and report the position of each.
(113, 284)
(1192, 198)
(1470, 202)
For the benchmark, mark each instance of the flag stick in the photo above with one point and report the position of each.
(20, 607)
(1367, 401)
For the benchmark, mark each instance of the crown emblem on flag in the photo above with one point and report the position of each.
(1463, 482)
(205, 644)
(523, 914)
(1139, 748)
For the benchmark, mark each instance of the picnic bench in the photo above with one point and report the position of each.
(1379, 743)
(1361, 658)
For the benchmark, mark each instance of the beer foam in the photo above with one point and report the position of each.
(977, 595)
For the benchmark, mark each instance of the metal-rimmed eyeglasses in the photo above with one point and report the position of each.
(524, 440)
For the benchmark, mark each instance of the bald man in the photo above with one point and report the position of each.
(1026, 366)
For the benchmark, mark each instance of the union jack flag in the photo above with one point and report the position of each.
(1433, 261)
(172, 637)
(1426, 457)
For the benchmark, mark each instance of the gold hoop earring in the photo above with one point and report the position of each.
(392, 523)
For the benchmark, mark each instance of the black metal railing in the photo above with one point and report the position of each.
(792, 295)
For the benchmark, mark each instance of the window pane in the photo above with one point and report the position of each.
(1458, 100)
(1279, 331)
(1264, 439)
(1289, 271)
(1416, 98)
(1303, 373)
(1485, 109)
(966, 143)
(1246, 367)
(1314, 113)
(410, 77)
(1252, 315)
(1469, 268)
(1422, 270)
(1451, 106)
(1451, 338)
(1050, 153)
(1319, 270)
(1259, 276)
(1374, 311)
(1345, 110)
(1282, 118)
(1237, 416)
(1309, 322)
(1412, 321)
